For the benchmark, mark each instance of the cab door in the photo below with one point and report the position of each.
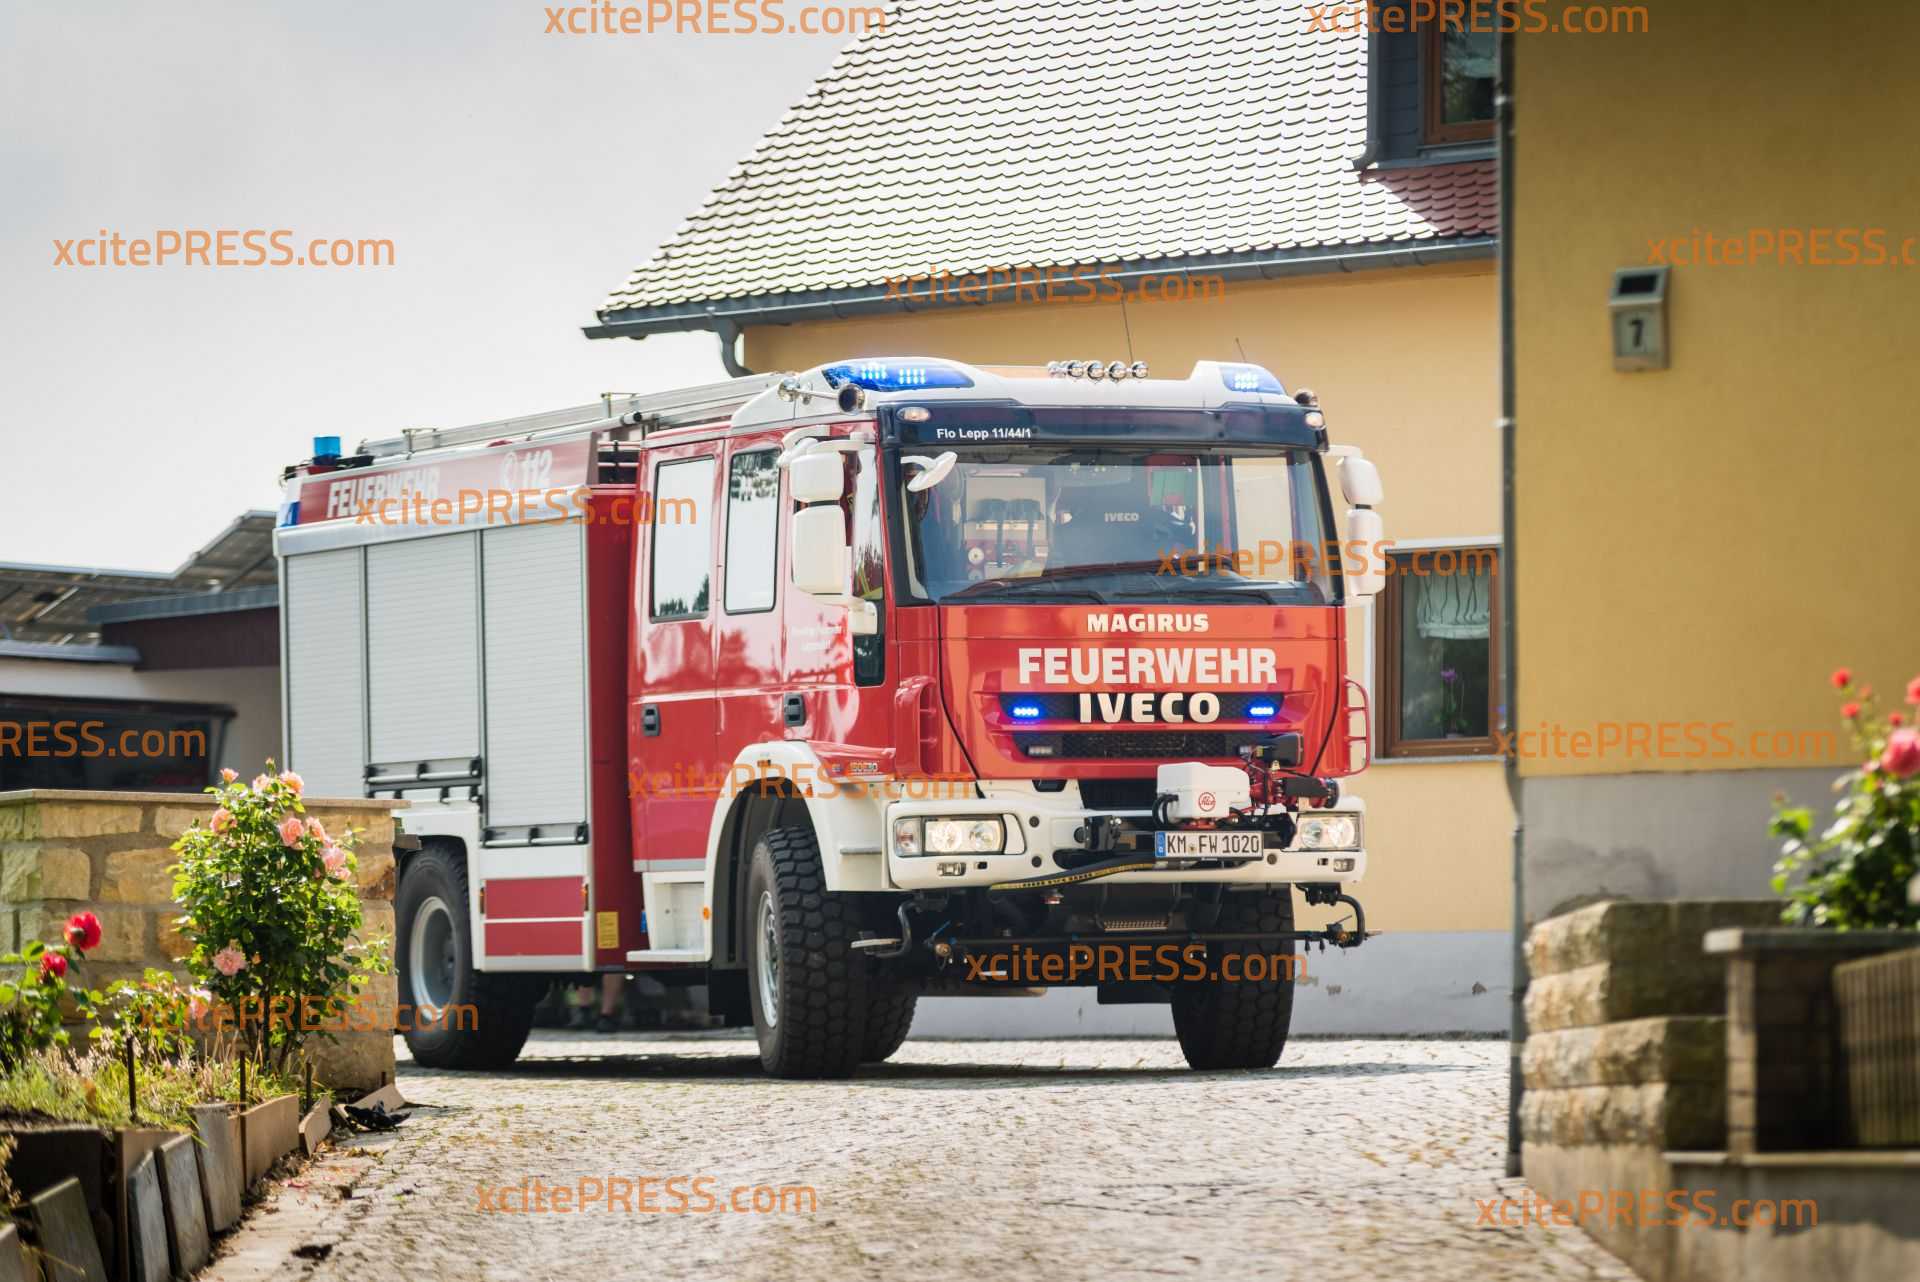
(750, 629)
(672, 719)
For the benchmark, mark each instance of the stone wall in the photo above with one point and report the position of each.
(1625, 1058)
(62, 852)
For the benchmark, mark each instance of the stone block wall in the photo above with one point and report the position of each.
(63, 852)
(1626, 1053)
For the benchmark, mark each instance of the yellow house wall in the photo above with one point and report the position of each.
(1705, 543)
(1406, 366)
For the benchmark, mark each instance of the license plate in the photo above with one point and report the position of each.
(1208, 845)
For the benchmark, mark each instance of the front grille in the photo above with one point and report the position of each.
(1124, 745)
(1119, 794)
(1056, 706)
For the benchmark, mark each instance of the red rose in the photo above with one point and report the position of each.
(1895, 719)
(53, 964)
(1842, 678)
(83, 931)
(1913, 690)
(1902, 757)
(1849, 710)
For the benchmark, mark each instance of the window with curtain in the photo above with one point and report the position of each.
(1439, 644)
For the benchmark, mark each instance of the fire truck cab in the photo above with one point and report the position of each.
(831, 690)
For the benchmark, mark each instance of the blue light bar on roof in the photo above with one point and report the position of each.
(896, 375)
(1250, 378)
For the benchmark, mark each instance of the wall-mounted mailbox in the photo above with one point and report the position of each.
(1639, 313)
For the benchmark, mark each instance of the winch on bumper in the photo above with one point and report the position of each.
(1017, 834)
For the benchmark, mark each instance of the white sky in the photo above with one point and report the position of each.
(520, 176)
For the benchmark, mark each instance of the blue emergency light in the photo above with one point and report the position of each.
(1261, 711)
(893, 375)
(1250, 378)
(1025, 711)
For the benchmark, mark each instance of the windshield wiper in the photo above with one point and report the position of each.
(1045, 587)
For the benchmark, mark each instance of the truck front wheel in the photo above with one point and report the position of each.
(1227, 1020)
(808, 986)
(462, 1017)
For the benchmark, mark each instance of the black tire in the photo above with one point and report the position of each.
(433, 881)
(1238, 1023)
(889, 1017)
(815, 1024)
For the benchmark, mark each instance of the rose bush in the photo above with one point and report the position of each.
(271, 909)
(31, 1007)
(1855, 874)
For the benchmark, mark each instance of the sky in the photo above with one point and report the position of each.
(519, 174)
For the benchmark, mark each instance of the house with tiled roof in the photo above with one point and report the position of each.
(1018, 181)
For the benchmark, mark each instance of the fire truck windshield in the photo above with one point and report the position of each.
(1136, 524)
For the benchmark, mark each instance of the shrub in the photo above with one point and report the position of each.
(271, 908)
(1855, 874)
(32, 1006)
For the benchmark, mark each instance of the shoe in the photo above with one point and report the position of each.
(607, 1024)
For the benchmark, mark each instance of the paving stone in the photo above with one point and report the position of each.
(147, 1224)
(1092, 1158)
(70, 1250)
(186, 1211)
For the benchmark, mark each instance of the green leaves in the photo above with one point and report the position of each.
(260, 896)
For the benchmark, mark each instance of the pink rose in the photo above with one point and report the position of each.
(227, 776)
(336, 861)
(292, 829)
(314, 829)
(199, 1002)
(1902, 756)
(222, 820)
(292, 781)
(1913, 690)
(1849, 710)
(229, 961)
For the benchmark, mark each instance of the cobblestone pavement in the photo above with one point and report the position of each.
(995, 1160)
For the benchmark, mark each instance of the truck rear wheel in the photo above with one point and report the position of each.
(808, 987)
(462, 1018)
(1237, 1022)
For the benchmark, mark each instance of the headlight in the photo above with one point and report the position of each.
(965, 836)
(1328, 832)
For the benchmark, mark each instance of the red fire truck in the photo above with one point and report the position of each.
(836, 689)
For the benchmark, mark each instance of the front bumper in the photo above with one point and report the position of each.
(1041, 824)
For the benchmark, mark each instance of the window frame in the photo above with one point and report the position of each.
(1388, 630)
(726, 534)
(653, 542)
(1434, 131)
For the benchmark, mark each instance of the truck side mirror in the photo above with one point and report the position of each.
(820, 548)
(1365, 528)
(1360, 481)
(817, 477)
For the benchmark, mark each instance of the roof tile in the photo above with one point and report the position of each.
(968, 135)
